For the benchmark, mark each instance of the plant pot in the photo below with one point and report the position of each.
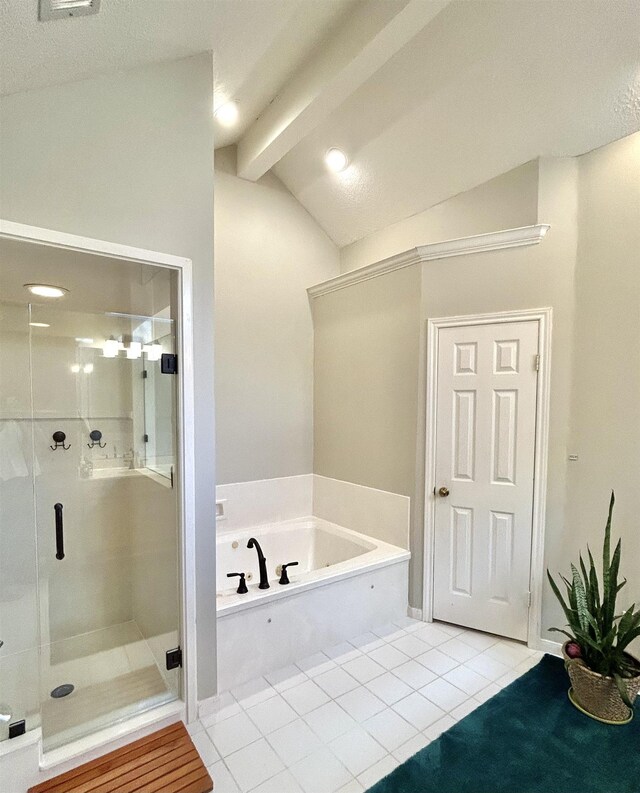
(597, 695)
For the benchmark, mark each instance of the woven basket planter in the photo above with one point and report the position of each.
(598, 695)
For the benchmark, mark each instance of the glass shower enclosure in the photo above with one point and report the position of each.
(89, 550)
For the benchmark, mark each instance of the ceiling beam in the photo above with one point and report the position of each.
(365, 41)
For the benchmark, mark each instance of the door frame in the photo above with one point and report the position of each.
(185, 417)
(544, 317)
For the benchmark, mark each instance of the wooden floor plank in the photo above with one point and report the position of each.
(130, 773)
(164, 762)
(191, 783)
(168, 780)
(87, 782)
(101, 764)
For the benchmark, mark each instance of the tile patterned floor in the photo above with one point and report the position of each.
(339, 721)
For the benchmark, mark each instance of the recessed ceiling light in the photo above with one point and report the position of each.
(39, 325)
(227, 114)
(336, 160)
(46, 290)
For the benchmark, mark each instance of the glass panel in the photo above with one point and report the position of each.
(109, 607)
(18, 579)
(158, 415)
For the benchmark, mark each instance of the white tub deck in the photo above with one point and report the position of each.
(345, 583)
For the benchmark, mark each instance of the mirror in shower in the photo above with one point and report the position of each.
(158, 435)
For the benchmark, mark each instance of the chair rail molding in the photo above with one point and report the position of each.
(478, 243)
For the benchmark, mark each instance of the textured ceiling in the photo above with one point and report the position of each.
(484, 87)
(257, 44)
(252, 74)
(114, 285)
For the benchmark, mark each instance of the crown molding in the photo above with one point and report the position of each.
(478, 243)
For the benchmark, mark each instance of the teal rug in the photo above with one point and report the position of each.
(527, 739)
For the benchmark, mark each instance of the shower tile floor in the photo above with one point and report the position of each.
(339, 721)
(114, 674)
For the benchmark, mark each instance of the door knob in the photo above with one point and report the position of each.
(444, 492)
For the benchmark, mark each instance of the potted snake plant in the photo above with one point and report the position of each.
(605, 677)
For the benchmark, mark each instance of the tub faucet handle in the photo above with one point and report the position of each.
(242, 587)
(284, 578)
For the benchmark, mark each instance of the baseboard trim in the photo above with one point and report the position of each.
(208, 706)
(415, 614)
(546, 646)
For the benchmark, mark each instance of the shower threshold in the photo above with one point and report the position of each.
(114, 675)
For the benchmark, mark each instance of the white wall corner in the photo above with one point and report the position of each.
(377, 513)
(264, 501)
(546, 646)
(214, 704)
(415, 614)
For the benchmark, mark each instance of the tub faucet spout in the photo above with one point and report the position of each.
(262, 563)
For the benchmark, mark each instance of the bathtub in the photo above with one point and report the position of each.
(345, 583)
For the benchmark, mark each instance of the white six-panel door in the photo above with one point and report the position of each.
(485, 448)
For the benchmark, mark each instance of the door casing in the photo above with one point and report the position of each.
(544, 318)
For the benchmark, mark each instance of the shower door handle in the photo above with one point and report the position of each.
(59, 531)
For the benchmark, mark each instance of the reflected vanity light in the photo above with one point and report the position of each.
(110, 348)
(134, 350)
(84, 341)
(153, 351)
(75, 368)
(88, 368)
(39, 324)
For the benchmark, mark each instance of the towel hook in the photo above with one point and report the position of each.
(59, 438)
(96, 437)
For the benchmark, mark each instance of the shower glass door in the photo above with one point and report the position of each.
(19, 641)
(103, 422)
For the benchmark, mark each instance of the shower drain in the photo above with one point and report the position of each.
(62, 691)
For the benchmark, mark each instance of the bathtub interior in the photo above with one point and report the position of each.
(314, 544)
(329, 548)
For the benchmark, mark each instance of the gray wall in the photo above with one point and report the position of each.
(587, 269)
(366, 382)
(129, 158)
(268, 250)
(370, 385)
(507, 202)
(605, 415)
(534, 277)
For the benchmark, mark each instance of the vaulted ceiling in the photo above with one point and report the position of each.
(256, 44)
(482, 88)
(428, 98)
